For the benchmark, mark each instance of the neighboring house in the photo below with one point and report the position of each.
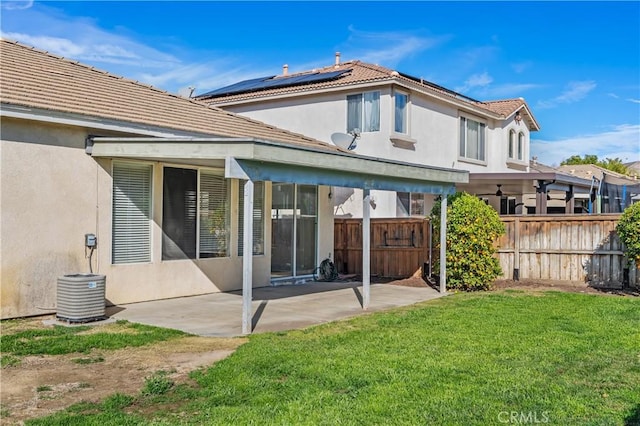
(614, 190)
(184, 198)
(398, 117)
(634, 168)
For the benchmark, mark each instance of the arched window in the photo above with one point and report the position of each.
(520, 146)
(512, 143)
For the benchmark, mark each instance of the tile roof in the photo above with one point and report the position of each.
(34, 78)
(362, 73)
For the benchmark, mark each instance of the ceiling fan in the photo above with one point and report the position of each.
(498, 193)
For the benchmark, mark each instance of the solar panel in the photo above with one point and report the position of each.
(241, 86)
(272, 82)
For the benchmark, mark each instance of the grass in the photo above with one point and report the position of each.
(59, 340)
(473, 359)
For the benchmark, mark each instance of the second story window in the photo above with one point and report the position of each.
(400, 112)
(363, 112)
(512, 143)
(472, 139)
(520, 146)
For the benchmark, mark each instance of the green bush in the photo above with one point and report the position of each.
(472, 230)
(628, 230)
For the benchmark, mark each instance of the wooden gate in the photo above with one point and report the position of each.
(399, 246)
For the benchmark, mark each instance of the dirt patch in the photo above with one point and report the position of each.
(42, 385)
(566, 286)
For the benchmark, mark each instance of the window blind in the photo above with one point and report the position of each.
(214, 215)
(258, 219)
(131, 226)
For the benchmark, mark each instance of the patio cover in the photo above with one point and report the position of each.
(260, 160)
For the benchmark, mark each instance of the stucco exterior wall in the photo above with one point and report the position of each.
(434, 127)
(52, 193)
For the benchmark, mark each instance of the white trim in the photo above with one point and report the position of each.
(91, 122)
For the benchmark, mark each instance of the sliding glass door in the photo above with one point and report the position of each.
(294, 219)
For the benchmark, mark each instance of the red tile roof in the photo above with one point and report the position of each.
(37, 79)
(363, 73)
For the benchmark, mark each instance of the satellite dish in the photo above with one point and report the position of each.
(346, 140)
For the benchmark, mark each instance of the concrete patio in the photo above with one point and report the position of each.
(275, 308)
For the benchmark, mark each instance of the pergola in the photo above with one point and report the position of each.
(254, 160)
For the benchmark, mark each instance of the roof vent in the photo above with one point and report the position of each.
(285, 69)
(337, 59)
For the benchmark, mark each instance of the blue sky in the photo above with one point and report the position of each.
(577, 64)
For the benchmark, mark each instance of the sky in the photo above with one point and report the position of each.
(577, 64)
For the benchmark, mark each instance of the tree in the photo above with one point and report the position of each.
(613, 164)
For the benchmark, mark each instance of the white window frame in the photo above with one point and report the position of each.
(258, 231)
(414, 198)
(463, 140)
(147, 257)
(374, 125)
(521, 144)
(229, 230)
(405, 112)
(511, 147)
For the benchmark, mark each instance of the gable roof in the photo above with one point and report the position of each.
(356, 73)
(36, 79)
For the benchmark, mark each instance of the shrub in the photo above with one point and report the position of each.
(628, 230)
(157, 384)
(472, 230)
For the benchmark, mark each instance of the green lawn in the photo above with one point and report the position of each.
(467, 359)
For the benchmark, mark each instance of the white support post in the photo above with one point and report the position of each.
(366, 248)
(247, 258)
(443, 244)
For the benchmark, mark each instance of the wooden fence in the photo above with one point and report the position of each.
(399, 246)
(582, 248)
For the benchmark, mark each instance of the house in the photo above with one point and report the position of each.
(182, 198)
(391, 115)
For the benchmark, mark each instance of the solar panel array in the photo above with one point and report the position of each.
(272, 82)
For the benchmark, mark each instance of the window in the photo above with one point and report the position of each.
(400, 112)
(183, 225)
(512, 143)
(258, 219)
(131, 227)
(214, 215)
(363, 112)
(410, 204)
(472, 139)
(520, 146)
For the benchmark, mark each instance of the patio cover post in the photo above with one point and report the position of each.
(443, 244)
(247, 258)
(366, 248)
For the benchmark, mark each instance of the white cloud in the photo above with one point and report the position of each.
(475, 81)
(574, 92)
(16, 4)
(635, 101)
(388, 48)
(621, 141)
